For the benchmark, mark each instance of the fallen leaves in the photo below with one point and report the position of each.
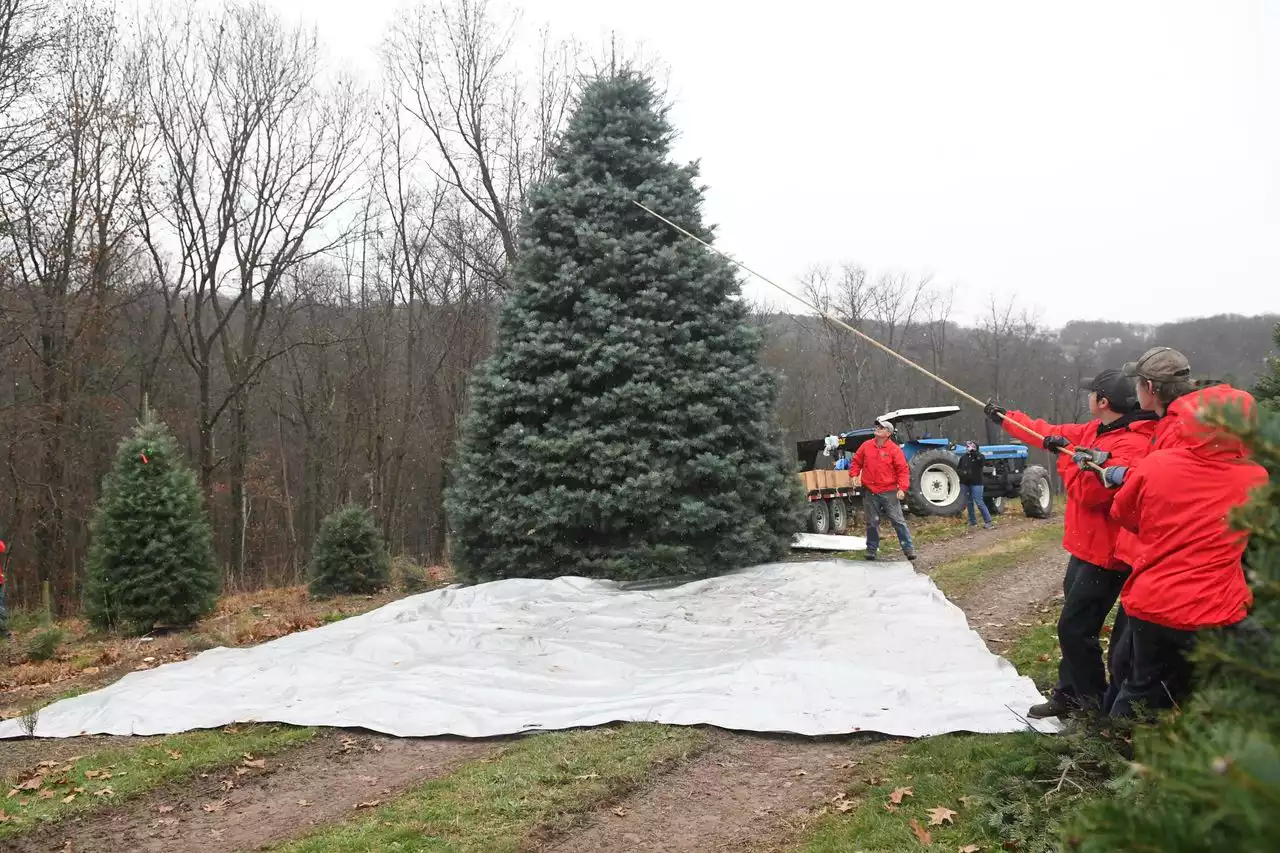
(3, 817)
(922, 834)
(69, 799)
(257, 764)
(585, 776)
(47, 794)
(941, 814)
(897, 795)
(304, 802)
(104, 792)
(621, 812)
(216, 806)
(798, 773)
(970, 848)
(32, 784)
(372, 804)
(174, 754)
(165, 809)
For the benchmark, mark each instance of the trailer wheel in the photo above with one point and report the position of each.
(1035, 492)
(819, 517)
(839, 516)
(935, 484)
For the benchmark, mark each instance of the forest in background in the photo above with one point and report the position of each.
(299, 271)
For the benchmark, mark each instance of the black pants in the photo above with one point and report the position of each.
(1090, 592)
(1161, 671)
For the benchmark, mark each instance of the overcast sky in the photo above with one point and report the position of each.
(1095, 159)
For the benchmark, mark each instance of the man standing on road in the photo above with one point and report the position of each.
(970, 470)
(1118, 434)
(880, 468)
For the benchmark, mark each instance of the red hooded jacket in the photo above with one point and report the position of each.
(1089, 533)
(883, 469)
(1188, 574)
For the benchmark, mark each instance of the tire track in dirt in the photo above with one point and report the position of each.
(322, 782)
(748, 793)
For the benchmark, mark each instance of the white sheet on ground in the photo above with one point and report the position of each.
(828, 542)
(817, 648)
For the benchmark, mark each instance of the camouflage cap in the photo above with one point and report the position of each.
(1160, 364)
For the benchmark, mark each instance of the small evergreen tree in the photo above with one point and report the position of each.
(1208, 779)
(623, 427)
(1268, 388)
(151, 559)
(349, 557)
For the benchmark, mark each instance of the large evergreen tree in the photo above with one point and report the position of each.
(151, 559)
(1208, 778)
(624, 427)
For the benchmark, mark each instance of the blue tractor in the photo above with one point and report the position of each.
(935, 480)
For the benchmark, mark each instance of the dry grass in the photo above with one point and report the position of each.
(87, 658)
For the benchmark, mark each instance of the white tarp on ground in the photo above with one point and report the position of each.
(817, 648)
(828, 542)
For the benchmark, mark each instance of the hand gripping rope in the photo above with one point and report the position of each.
(1069, 449)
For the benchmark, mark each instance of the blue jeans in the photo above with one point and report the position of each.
(873, 505)
(973, 495)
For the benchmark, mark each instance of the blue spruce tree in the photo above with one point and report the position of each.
(624, 427)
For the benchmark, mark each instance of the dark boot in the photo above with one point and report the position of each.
(1055, 707)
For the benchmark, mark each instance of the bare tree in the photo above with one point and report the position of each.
(27, 36)
(68, 219)
(257, 157)
(452, 68)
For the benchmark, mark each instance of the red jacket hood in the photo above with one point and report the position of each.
(1205, 439)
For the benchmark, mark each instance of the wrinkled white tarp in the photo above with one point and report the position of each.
(816, 648)
(828, 542)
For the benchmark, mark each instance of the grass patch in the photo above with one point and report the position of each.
(1036, 654)
(537, 786)
(1011, 791)
(960, 575)
(61, 789)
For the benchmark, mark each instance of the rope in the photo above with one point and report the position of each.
(834, 319)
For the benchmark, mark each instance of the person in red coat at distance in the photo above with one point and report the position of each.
(4, 614)
(880, 467)
(1188, 576)
(1119, 433)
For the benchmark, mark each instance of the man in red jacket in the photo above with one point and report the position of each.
(880, 467)
(4, 614)
(1188, 575)
(1096, 570)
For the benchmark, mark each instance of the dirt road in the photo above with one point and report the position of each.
(746, 792)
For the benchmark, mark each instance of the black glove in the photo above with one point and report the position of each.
(1055, 443)
(994, 412)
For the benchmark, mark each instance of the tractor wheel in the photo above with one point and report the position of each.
(839, 516)
(819, 517)
(935, 484)
(1035, 492)
(995, 506)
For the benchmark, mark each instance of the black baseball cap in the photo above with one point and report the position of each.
(1116, 387)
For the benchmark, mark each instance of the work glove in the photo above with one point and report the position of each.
(1113, 477)
(1055, 443)
(994, 412)
(1086, 457)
